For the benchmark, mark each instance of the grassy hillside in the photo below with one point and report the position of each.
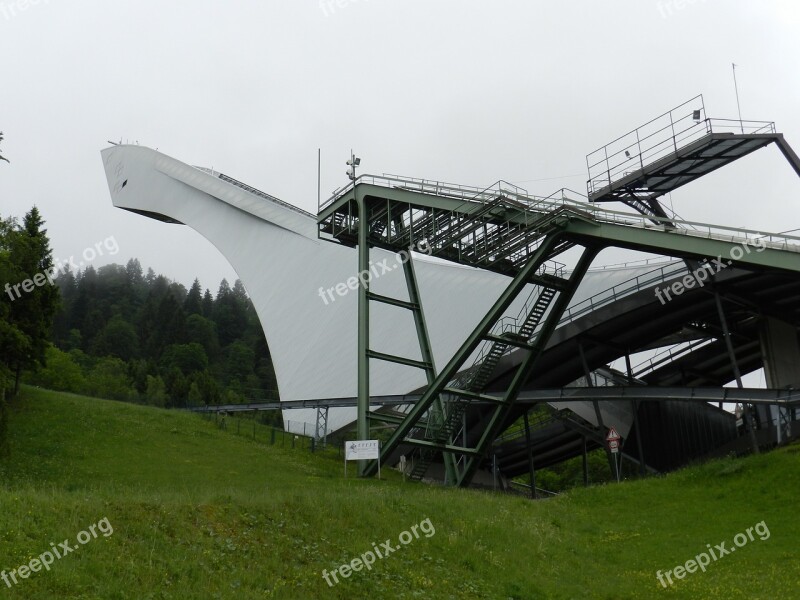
(199, 512)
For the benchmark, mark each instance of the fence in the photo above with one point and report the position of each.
(248, 425)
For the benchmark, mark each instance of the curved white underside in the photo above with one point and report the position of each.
(282, 263)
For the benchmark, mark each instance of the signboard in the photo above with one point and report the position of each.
(612, 439)
(362, 450)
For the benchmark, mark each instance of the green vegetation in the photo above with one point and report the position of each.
(126, 335)
(27, 303)
(200, 512)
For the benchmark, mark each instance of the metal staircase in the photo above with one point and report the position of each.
(474, 380)
(442, 435)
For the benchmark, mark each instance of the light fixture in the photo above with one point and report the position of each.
(696, 115)
(352, 163)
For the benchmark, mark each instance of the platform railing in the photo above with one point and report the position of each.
(621, 290)
(509, 324)
(661, 134)
(660, 137)
(536, 206)
(427, 186)
(667, 355)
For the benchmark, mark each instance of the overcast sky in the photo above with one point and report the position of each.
(462, 91)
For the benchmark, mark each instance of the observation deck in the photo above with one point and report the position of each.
(672, 150)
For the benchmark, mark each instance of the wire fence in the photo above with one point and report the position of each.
(251, 426)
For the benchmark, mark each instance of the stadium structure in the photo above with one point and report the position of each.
(439, 315)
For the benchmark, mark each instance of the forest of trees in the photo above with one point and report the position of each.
(124, 334)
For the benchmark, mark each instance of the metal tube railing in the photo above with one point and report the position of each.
(659, 137)
(537, 206)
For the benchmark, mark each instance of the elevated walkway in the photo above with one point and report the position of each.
(500, 227)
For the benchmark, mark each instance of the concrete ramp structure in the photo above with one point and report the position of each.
(482, 303)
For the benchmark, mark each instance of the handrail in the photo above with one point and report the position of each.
(644, 262)
(622, 290)
(659, 137)
(668, 354)
(542, 205)
(436, 188)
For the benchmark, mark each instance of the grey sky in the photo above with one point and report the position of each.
(460, 91)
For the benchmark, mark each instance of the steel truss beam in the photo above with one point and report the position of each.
(764, 396)
(501, 234)
(526, 367)
(443, 384)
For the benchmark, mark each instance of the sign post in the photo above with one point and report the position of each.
(612, 439)
(362, 450)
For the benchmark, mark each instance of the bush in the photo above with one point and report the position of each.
(61, 373)
(109, 379)
(156, 394)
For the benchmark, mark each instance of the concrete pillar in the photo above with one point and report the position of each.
(780, 348)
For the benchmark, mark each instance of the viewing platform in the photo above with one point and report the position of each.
(672, 150)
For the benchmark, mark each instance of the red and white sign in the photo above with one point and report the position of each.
(612, 439)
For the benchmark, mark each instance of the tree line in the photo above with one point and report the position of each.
(124, 334)
(120, 333)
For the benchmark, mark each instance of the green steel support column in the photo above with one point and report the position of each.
(362, 426)
(468, 347)
(425, 348)
(524, 370)
(419, 318)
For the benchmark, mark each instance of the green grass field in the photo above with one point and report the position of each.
(199, 512)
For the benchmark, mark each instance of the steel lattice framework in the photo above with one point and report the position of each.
(500, 230)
